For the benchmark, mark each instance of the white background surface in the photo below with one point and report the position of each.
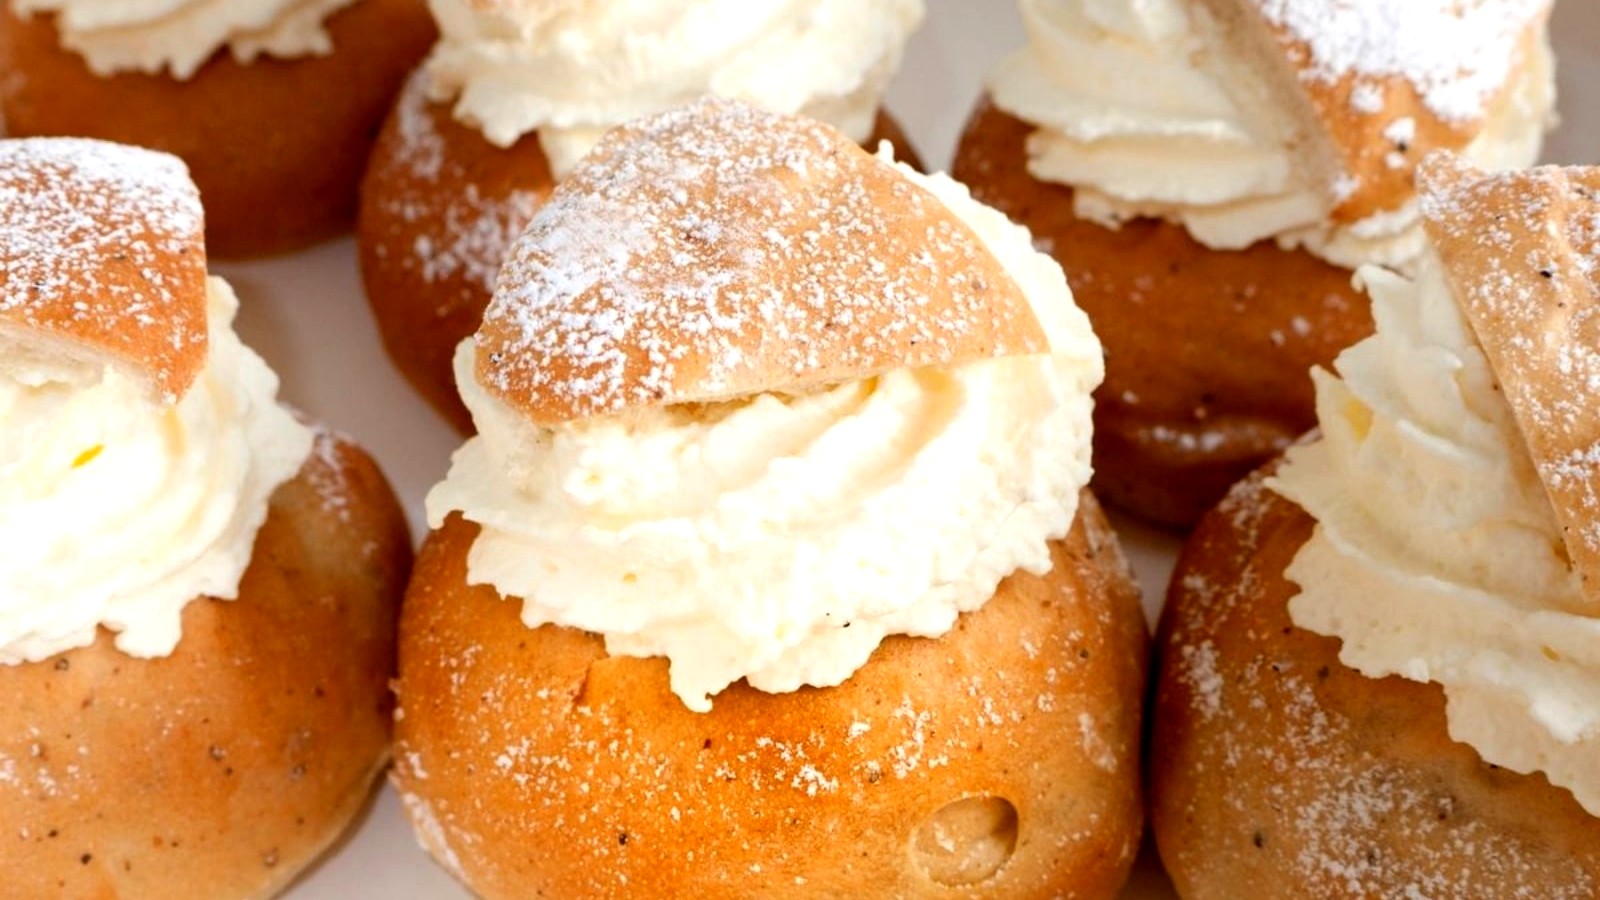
(305, 313)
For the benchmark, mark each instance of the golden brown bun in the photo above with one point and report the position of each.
(440, 207)
(276, 146)
(1522, 253)
(225, 768)
(1276, 772)
(535, 765)
(1343, 140)
(1207, 351)
(102, 262)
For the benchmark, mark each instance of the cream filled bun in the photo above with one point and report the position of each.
(1210, 213)
(198, 597)
(771, 570)
(1435, 728)
(515, 93)
(273, 104)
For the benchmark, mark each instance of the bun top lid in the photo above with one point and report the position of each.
(1373, 86)
(718, 251)
(102, 262)
(1521, 251)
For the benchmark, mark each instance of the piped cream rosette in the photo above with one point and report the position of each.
(1457, 481)
(570, 71)
(139, 439)
(723, 421)
(1285, 120)
(178, 36)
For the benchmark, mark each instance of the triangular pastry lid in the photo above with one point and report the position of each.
(718, 251)
(1521, 251)
(102, 261)
(1368, 88)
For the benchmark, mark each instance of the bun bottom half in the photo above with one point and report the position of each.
(277, 146)
(1207, 351)
(1277, 772)
(226, 768)
(1000, 760)
(440, 208)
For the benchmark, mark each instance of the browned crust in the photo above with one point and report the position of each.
(551, 769)
(719, 250)
(1331, 131)
(439, 209)
(225, 768)
(102, 260)
(1207, 351)
(1522, 253)
(1276, 772)
(277, 146)
(436, 185)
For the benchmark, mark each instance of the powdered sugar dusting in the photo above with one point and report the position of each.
(1523, 251)
(1199, 669)
(1339, 785)
(327, 473)
(510, 732)
(471, 235)
(101, 246)
(422, 147)
(1455, 53)
(696, 253)
(430, 834)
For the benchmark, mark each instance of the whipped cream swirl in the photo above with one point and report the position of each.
(180, 35)
(1143, 116)
(779, 538)
(571, 70)
(1437, 556)
(116, 511)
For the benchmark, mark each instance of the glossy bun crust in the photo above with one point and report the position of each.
(1207, 351)
(225, 768)
(1000, 760)
(276, 146)
(440, 208)
(1277, 772)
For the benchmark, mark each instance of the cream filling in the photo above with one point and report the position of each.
(180, 35)
(1436, 555)
(1133, 110)
(117, 512)
(779, 538)
(571, 71)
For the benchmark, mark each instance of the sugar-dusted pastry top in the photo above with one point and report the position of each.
(1522, 252)
(1454, 483)
(477, 228)
(1451, 55)
(139, 439)
(102, 262)
(717, 251)
(571, 70)
(1381, 73)
(1275, 119)
(803, 398)
(178, 36)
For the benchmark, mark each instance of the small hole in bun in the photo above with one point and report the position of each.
(966, 842)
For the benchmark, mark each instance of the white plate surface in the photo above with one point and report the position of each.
(305, 313)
